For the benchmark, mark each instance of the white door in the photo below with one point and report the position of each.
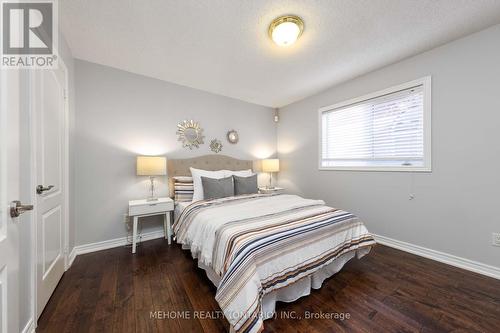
(49, 118)
(9, 191)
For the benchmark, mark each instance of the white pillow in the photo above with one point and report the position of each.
(241, 173)
(198, 186)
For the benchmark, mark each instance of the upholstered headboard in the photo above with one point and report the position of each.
(180, 167)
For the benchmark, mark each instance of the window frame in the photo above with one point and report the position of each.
(425, 82)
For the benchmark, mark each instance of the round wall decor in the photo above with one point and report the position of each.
(232, 137)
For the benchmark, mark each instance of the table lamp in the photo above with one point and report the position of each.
(271, 165)
(151, 166)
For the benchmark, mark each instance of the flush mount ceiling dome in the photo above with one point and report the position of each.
(285, 30)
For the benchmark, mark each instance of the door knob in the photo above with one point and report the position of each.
(40, 189)
(17, 208)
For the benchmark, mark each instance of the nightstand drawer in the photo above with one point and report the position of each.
(150, 208)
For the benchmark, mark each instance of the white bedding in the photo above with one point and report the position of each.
(285, 236)
(200, 237)
(179, 207)
(289, 293)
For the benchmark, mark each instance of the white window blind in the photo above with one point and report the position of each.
(382, 132)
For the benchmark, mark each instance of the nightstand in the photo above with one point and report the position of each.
(143, 208)
(265, 190)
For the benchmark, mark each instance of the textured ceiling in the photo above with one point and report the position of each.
(223, 47)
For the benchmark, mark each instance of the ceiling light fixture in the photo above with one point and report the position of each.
(285, 30)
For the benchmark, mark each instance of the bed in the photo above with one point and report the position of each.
(258, 249)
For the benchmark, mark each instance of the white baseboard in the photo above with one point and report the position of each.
(29, 328)
(71, 257)
(446, 258)
(109, 244)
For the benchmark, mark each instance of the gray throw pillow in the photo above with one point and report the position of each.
(217, 188)
(245, 185)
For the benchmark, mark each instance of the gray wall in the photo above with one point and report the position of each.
(455, 209)
(121, 115)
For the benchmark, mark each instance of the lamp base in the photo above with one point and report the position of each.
(152, 197)
(270, 186)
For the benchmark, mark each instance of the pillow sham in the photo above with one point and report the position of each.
(183, 189)
(239, 173)
(217, 188)
(245, 185)
(198, 186)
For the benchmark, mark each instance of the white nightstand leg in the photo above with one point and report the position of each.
(166, 227)
(134, 234)
(165, 230)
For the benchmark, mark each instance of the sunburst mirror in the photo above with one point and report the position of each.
(215, 146)
(190, 133)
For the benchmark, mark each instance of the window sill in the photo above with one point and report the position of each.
(378, 169)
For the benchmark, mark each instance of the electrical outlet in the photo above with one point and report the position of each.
(495, 239)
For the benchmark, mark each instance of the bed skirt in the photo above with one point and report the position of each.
(300, 288)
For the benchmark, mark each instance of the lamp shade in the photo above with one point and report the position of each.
(151, 166)
(271, 165)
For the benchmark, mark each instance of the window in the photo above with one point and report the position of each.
(384, 131)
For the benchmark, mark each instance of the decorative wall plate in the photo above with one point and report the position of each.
(190, 134)
(232, 137)
(215, 145)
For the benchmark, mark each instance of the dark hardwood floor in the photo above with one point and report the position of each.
(386, 291)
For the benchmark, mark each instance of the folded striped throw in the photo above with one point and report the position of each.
(183, 188)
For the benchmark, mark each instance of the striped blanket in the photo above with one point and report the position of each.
(258, 243)
(183, 189)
